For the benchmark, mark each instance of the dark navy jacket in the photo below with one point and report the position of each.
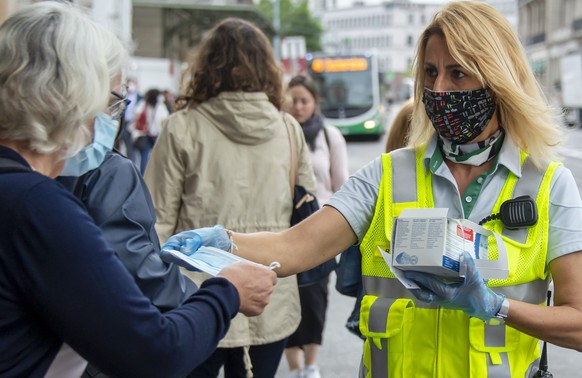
(117, 199)
(60, 282)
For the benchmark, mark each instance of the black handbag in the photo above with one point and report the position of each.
(304, 204)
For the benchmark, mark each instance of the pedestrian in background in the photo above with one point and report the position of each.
(329, 158)
(224, 157)
(169, 100)
(482, 133)
(127, 125)
(66, 297)
(150, 113)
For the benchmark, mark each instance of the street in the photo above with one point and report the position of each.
(341, 350)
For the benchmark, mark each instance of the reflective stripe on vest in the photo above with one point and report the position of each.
(404, 167)
(533, 292)
(528, 187)
(379, 312)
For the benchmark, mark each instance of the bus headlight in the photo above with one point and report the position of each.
(370, 124)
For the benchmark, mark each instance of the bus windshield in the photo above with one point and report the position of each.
(344, 94)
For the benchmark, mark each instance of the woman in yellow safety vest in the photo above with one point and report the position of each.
(482, 133)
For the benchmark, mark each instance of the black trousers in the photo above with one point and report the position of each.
(265, 360)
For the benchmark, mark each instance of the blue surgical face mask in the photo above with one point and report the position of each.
(91, 156)
(206, 259)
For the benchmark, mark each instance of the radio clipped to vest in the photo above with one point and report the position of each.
(520, 212)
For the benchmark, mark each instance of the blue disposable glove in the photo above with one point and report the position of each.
(188, 242)
(471, 295)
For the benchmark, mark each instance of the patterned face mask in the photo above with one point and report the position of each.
(459, 116)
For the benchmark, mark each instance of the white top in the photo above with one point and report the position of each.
(154, 115)
(330, 163)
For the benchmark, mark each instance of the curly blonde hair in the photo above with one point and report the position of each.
(234, 56)
(484, 43)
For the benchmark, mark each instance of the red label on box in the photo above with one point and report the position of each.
(465, 233)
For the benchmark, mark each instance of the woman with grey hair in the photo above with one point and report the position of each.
(65, 297)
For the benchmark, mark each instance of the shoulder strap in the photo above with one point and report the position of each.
(533, 182)
(329, 148)
(293, 146)
(9, 165)
(326, 137)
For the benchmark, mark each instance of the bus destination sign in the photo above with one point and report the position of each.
(339, 64)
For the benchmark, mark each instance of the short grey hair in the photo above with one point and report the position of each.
(55, 75)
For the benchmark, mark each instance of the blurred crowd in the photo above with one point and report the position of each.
(143, 121)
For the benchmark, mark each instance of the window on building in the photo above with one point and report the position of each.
(409, 40)
(569, 9)
(411, 19)
(578, 9)
(539, 17)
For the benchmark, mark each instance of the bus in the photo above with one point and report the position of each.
(349, 92)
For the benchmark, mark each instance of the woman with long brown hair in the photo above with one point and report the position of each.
(224, 158)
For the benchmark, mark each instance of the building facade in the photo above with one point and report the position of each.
(508, 8)
(550, 31)
(389, 30)
(116, 15)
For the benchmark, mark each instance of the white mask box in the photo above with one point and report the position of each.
(426, 240)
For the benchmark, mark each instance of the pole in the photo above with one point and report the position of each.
(276, 26)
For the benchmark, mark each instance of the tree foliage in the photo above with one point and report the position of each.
(295, 20)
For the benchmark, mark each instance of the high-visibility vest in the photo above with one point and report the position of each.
(409, 338)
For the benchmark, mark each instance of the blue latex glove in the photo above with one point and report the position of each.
(188, 242)
(471, 295)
